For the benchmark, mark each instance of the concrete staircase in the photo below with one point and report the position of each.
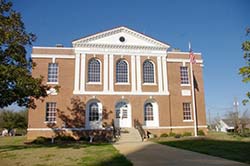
(129, 135)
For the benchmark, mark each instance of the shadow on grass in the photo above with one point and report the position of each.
(232, 150)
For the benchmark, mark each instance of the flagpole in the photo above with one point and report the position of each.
(193, 99)
(192, 87)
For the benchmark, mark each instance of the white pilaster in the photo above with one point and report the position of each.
(165, 74)
(77, 71)
(105, 86)
(111, 73)
(138, 72)
(83, 67)
(159, 67)
(133, 73)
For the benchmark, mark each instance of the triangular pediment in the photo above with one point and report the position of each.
(122, 37)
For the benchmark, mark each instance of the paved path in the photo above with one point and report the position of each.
(153, 154)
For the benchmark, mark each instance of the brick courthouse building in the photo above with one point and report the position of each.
(117, 75)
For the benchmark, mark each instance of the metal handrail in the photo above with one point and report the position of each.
(138, 126)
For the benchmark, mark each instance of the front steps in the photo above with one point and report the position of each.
(129, 135)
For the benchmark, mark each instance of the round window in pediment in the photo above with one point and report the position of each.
(122, 39)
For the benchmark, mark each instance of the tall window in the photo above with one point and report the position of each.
(93, 112)
(50, 112)
(148, 72)
(94, 70)
(184, 75)
(148, 112)
(121, 71)
(53, 72)
(187, 111)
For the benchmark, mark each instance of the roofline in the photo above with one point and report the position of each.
(179, 52)
(39, 47)
(163, 43)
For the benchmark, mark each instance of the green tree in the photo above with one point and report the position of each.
(10, 119)
(16, 83)
(245, 70)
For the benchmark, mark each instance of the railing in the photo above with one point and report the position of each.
(138, 126)
(116, 130)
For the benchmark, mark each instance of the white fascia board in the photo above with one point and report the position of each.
(119, 93)
(56, 48)
(52, 56)
(185, 53)
(178, 60)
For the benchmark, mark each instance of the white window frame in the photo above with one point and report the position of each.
(116, 80)
(100, 73)
(149, 83)
(50, 108)
(51, 72)
(148, 117)
(184, 76)
(185, 111)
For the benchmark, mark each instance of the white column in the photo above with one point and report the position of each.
(165, 74)
(82, 80)
(111, 73)
(159, 73)
(138, 72)
(133, 72)
(77, 71)
(105, 74)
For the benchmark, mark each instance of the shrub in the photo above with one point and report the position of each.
(177, 136)
(64, 138)
(185, 134)
(41, 140)
(201, 133)
(171, 134)
(164, 135)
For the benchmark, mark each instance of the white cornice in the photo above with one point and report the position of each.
(185, 53)
(52, 56)
(56, 48)
(83, 41)
(182, 60)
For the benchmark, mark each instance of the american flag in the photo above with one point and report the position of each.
(191, 54)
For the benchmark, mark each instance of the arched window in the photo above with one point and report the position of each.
(148, 112)
(93, 112)
(94, 70)
(121, 71)
(148, 72)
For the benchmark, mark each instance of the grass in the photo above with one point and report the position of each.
(216, 144)
(14, 152)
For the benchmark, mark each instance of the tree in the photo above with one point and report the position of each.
(245, 70)
(10, 119)
(16, 82)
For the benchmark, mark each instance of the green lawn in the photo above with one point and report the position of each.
(215, 144)
(14, 152)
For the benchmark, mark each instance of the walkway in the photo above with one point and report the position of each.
(153, 154)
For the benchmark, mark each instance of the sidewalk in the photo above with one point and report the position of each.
(153, 154)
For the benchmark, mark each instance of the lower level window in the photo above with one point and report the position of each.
(187, 111)
(93, 112)
(50, 112)
(148, 112)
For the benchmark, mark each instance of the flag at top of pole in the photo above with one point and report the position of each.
(191, 54)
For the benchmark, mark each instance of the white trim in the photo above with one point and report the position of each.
(179, 60)
(56, 83)
(138, 73)
(65, 56)
(133, 77)
(49, 122)
(188, 120)
(128, 72)
(122, 83)
(185, 85)
(54, 60)
(186, 92)
(159, 62)
(105, 71)
(111, 73)
(150, 60)
(186, 53)
(174, 127)
(87, 66)
(58, 48)
(93, 124)
(119, 93)
(77, 72)
(83, 68)
(94, 83)
(149, 84)
(165, 74)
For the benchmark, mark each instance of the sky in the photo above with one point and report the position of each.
(216, 28)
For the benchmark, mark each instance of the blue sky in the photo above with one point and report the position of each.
(216, 28)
